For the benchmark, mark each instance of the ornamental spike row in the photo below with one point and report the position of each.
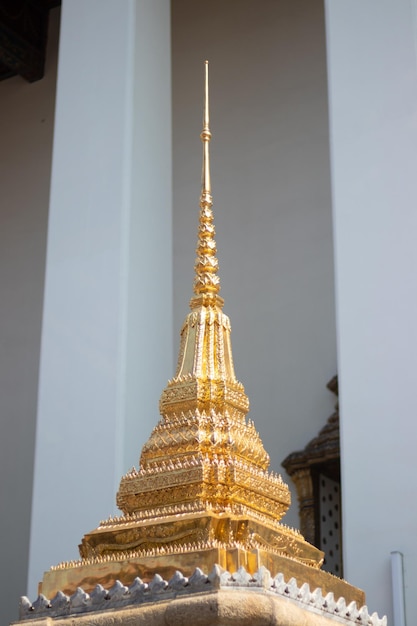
(158, 589)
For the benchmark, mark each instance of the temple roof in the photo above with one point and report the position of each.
(324, 447)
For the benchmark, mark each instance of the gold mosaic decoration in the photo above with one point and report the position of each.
(203, 484)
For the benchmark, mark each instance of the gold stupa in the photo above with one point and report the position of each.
(203, 494)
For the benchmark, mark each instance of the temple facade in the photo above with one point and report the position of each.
(87, 287)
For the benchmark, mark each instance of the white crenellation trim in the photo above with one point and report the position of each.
(139, 592)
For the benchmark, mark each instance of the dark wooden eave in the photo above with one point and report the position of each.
(324, 448)
(23, 37)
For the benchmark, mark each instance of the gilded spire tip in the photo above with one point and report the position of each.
(205, 137)
(206, 265)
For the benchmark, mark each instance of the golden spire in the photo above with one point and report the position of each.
(206, 265)
(203, 482)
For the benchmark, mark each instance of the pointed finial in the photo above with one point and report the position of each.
(205, 138)
(206, 280)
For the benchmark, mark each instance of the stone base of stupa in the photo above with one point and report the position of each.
(217, 599)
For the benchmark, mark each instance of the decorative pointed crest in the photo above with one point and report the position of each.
(206, 279)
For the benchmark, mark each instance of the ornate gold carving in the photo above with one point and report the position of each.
(304, 485)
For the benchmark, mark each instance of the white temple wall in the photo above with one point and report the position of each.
(272, 201)
(373, 96)
(106, 339)
(26, 132)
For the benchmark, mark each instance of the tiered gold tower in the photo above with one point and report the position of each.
(202, 494)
